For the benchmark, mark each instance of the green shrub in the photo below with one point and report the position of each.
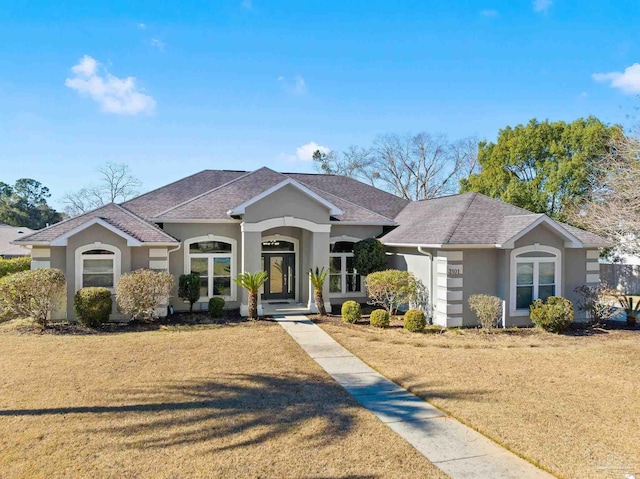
(414, 320)
(554, 315)
(140, 292)
(33, 294)
(189, 289)
(488, 310)
(391, 288)
(92, 306)
(369, 256)
(351, 312)
(216, 305)
(379, 318)
(14, 265)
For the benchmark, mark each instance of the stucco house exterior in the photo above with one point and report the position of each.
(218, 223)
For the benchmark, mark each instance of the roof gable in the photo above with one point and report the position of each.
(111, 216)
(240, 209)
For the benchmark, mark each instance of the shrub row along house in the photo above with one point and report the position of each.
(218, 223)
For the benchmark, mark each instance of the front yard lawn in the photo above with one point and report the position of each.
(238, 400)
(569, 403)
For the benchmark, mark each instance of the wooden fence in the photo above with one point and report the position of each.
(623, 277)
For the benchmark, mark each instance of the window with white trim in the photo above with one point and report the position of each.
(212, 259)
(98, 268)
(343, 277)
(536, 276)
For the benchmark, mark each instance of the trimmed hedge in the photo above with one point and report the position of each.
(553, 315)
(216, 305)
(140, 292)
(351, 312)
(33, 294)
(379, 318)
(14, 265)
(414, 321)
(92, 306)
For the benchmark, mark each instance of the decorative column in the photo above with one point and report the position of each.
(449, 284)
(251, 261)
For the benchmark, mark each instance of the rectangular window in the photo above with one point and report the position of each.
(200, 266)
(354, 282)
(335, 274)
(535, 279)
(97, 272)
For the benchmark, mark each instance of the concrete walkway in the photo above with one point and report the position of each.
(456, 449)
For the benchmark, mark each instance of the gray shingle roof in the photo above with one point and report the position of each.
(469, 218)
(7, 235)
(113, 214)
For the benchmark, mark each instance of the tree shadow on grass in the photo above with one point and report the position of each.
(226, 411)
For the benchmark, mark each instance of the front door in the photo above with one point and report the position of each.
(281, 270)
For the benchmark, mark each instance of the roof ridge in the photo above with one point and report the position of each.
(159, 215)
(344, 199)
(67, 220)
(142, 220)
(464, 213)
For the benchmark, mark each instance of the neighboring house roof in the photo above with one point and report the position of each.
(111, 214)
(474, 219)
(10, 233)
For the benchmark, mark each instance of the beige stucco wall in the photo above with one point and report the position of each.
(287, 201)
(185, 231)
(480, 276)
(92, 234)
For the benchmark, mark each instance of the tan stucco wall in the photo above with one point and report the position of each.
(184, 231)
(541, 234)
(287, 201)
(92, 234)
(480, 276)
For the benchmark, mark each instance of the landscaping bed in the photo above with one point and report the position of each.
(569, 402)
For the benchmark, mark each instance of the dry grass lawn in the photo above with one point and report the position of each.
(568, 403)
(218, 401)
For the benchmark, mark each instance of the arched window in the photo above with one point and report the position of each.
(97, 265)
(213, 259)
(343, 277)
(535, 274)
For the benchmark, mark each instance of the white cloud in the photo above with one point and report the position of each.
(113, 94)
(157, 44)
(142, 26)
(306, 151)
(490, 13)
(627, 81)
(541, 6)
(297, 86)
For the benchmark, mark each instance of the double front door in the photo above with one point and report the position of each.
(281, 269)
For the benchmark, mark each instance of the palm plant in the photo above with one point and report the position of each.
(318, 278)
(252, 283)
(630, 307)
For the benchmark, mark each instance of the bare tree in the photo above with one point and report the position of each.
(611, 209)
(413, 167)
(115, 184)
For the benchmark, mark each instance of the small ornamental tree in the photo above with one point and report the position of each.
(140, 292)
(391, 288)
(189, 289)
(318, 278)
(33, 294)
(252, 283)
(369, 256)
(488, 310)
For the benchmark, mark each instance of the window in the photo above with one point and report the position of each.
(211, 258)
(343, 277)
(537, 273)
(97, 265)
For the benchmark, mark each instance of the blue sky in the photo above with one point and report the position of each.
(172, 88)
